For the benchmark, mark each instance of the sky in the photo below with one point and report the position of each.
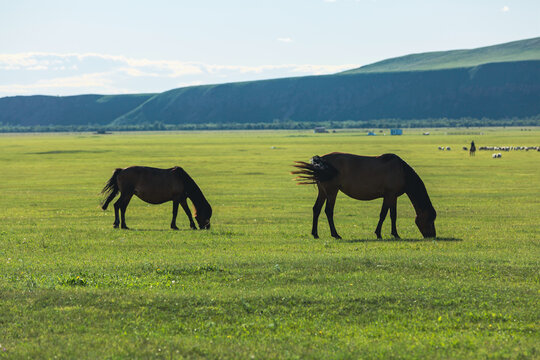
(117, 47)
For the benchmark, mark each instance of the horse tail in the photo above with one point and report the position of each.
(317, 170)
(111, 189)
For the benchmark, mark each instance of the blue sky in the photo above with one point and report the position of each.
(110, 47)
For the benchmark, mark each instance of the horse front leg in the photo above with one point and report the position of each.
(329, 210)
(393, 217)
(185, 206)
(382, 216)
(174, 214)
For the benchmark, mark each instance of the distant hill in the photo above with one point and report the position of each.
(513, 51)
(66, 110)
(492, 90)
(495, 82)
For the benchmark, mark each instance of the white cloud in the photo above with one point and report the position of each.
(505, 9)
(145, 67)
(134, 72)
(79, 73)
(24, 61)
(285, 40)
(86, 83)
(322, 69)
(37, 67)
(191, 83)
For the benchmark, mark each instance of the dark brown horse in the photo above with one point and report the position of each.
(156, 186)
(367, 178)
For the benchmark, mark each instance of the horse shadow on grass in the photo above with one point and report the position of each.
(54, 152)
(442, 239)
(161, 230)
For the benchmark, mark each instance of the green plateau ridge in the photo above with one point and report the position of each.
(521, 50)
(496, 90)
(495, 82)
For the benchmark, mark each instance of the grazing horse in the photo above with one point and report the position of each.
(472, 150)
(366, 178)
(156, 186)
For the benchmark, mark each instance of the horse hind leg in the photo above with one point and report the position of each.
(321, 198)
(121, 205)
(329, 210)
(116, 214)
(382, 216)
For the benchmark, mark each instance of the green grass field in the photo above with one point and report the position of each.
(257, 285)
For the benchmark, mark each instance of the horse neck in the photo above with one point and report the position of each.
(196, 196)
(416, 191)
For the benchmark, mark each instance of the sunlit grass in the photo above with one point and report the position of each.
(256, 284)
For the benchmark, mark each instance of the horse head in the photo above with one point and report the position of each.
(202, 216)
(204, 223)
(425, 221)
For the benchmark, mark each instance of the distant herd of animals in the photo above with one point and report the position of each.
(359, 177)
(472, 149)
(497, 148)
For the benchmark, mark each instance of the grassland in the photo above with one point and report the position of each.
(257, 285)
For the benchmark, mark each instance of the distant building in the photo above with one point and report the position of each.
(320, 129)
(396, 131)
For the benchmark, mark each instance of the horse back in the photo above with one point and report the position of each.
(152, 185)
(368, 177)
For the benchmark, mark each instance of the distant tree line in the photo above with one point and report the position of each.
(282, 125)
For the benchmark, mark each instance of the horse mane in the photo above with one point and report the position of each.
(193, 191)
(317, 170)
(416, 191)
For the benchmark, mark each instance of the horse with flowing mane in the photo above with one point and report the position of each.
(367, 178)
(156, 186)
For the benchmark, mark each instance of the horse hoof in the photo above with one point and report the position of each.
(337, 237)
(115, 226)
(174, 227)
(396, 236)
(125, 227)
(315, 236)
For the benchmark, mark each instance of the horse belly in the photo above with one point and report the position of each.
(157, 193)
(363, 192)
